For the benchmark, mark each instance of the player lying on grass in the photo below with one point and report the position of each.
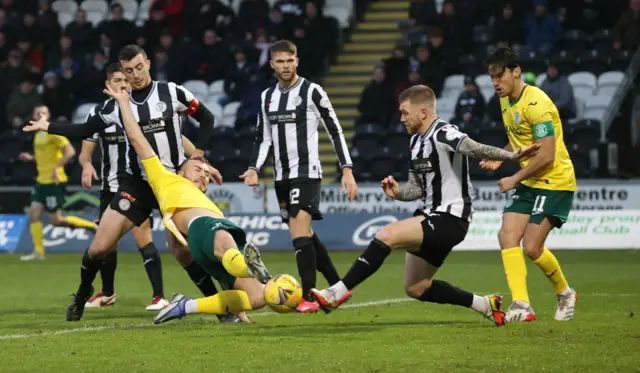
(212, 240)
(439, 175)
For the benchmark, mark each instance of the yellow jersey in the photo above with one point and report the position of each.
(532, 117)
(47, 152)
(174, 192)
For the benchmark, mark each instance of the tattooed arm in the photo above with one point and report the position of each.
(477, 150)
(411, 191)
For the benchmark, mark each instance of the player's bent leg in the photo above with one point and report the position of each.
(37, 232)
(152, 263)
(223, 303)
(511, 232)
(71, 221)
(420, 285)
(106, 297)
(401, 235)
(534, 238)
(254, 290)
(300, 229)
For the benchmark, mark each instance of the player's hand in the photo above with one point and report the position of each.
(56, 175)
(507, 183)
(121, 96)
(88, 174)
(489, 165)
(250, 177)
(390, 186)
(37, 125)
(215, 175)
(527, 152)
(349, 184)
(26, 157)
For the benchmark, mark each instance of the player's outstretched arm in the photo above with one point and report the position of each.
(92, 125)
(131, 127)
(411, 191)
(474, 149)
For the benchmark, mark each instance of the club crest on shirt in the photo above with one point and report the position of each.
(297, 100)
(124, 204)
(516, 117)
(161, 106)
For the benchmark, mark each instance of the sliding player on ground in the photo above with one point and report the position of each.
(50, 153)
(544, 187)
(439, 176)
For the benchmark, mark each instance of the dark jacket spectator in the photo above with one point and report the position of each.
(209, 14)
(626, 32)
(276, 28)
(543, 29)
(120, 30)
(455, 26)
(413, 78)
(155, 26)
(471, 102)
(560, 91)
(254, 14)
(423, 12)
(47, 21)
(214, 57)
(33, 55)
(81, 32)
(376, 100)
(56, 97)
(322, 32)
(21, 103)
(508, 27)
(64, 47)
(13, 72)
(431, 71)
(92, 77)
(493, 112)
(396, 66)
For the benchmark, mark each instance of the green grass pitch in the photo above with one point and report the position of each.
(380, 331)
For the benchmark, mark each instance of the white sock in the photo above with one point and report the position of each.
(340, 289)
(191, 306)
(480, 304)
(566, 291)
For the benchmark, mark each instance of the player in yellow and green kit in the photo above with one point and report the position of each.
(544, 186)
(51, 153)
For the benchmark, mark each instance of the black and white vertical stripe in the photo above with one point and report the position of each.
(288, 121)
(113, 146)
(444, 173)
(159, 117)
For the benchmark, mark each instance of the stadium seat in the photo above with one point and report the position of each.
(540, 79)
(596, 107)
(64, 19)
(216, 88)
(130, 9)
(232, 165)
(383, 164)
(594, 61)
(367, 138)
(495, 136)
(246, 137)
(566, 61)
(585, 132)
(231, 109)
(95, 17)
(98, 6)
(608, 83)
(446, 104)
(198, 88)
(81, 112)
(580, 107)
(24, 173)
(397, 139)
(484, 82)
(222, 141)
(453, 85)
(215, 108)
(360, 166)
(471, 64)
(64, 6)
(143, 11)
(340, 14)
(584, 83)
(534, 62)
(487, 93)
(620, 60)
(602, 40)
(575, 40)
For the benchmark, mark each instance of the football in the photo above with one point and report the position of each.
(283, 293)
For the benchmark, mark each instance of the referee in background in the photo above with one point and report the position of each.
(288, 121)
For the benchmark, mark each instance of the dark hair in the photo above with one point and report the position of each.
(418, 94)
(112, 68)
(200, 159)
(283, 46)
(130, 52)
(503, 58)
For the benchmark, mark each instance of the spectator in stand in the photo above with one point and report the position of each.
(106, 48)
(322, 32)
(560, 91)
(251, 99)
(21, 103)
(470, 105)
(174, 10)
(413, 78)
(155, 25)
(163, 69)
(56, 97)
(208, 15)
(120, 30)
(276, 27)
(81, 32)
(308, 66)
(253, 14)
(29, 30)
(12, 73)
(33, 56)
(4, 48)
(508, 27)
(431, 71)
(493, 112)
(64, 47)
(237, 78)
(455, 26)
(423, 12)
(626, 33)
(214, 57)
(442, 51)
(263, 45)
(377, 102)
(587, 15)
(397, 66)
(91, 78)
(47, 22)
(67, 71)
(543, 29)
(292, 11)
(7, 29)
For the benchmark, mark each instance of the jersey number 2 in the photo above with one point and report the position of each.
(294, 196)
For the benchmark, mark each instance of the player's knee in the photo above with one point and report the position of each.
(416, 290)
(57, 220)
(257, 301)
(386, 235)
(507, 239)
(532, 249)
(222, 241)
(34, 215)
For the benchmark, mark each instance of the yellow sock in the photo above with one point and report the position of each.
(233, 262)
(224, 303)
(516, 271)
(551, 268)
(37, 235)
(77, 222)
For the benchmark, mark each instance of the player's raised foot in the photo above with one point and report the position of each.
(495, 313)
(520, 311)
(175, 310)
(76, 308)
(328, 298)
(566, 305)
(254, 261)
(157, 303)
(32, 256)
(101, 300)
(307, 307)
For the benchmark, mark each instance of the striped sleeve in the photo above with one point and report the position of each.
(184, 101)
(449, 137)
(90, 115)
(325, 111)
(262, 143)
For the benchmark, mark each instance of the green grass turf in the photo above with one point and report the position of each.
(397, 337)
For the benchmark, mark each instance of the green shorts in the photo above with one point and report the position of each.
(540, 204)
(50, 195)
(200, 240)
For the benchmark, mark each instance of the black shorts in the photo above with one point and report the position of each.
(106, 197)
(134, 199)
(441, 233)
(299, 194)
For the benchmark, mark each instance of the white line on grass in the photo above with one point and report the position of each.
(255, 314)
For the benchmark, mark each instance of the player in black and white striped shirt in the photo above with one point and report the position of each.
(157, 107)
(288, 122)
(439, 175)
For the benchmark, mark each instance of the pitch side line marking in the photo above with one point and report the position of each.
(257, 314)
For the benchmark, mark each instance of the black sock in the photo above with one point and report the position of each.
(323, 261)
(88, 271)
(367, 263)
(444, 293)
(153, 266)
(108, 273)
(306, 259)
(202, 279)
